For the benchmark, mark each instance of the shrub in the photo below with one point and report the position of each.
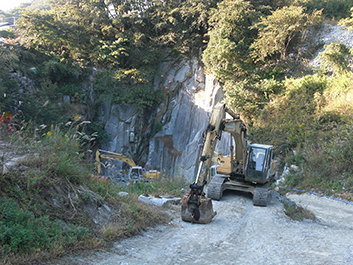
(21, 232)
(326, 163)
(127, 86)
(335, 58)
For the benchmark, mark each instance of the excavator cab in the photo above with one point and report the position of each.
(137, 173)
(258, 165)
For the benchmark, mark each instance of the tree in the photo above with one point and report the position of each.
(181, 25)
(69, 31)
(226, 55)
(279, 30)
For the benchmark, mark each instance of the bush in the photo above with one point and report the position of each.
(59, 72)
(127, 86)
(287, 120)
(21, 232)
(326, 163)
(335, 58)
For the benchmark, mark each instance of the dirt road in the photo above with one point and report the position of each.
(242, 234)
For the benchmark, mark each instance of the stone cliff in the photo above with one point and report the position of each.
(167, 138)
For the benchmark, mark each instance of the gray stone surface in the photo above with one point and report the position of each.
(184, 115)
(159, 201)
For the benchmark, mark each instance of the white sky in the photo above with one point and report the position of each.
(6, 5)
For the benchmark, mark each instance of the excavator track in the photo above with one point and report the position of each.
(261, 195)
(215, 188)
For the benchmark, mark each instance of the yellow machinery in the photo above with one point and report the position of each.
(135, 172)
(247, 169)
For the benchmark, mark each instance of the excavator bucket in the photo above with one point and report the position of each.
(203, 214)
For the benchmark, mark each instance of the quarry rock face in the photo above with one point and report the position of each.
(167, 138)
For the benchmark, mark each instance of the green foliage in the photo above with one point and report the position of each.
(251, 95)
(313, 117)
(182, 25)
(8, 34)
(226, 55)
(127, 86)
(296, 158)
(298, 213)
(334, 9)
(110, 52)
(60, 158)
(68, 31)
(327, 162)
(21, 232)
(8, 62)
(287, 120)
(339, 96)
(335, 58)
(42, 83)
(36, 5)
(266, 5)
(347, 22)
(58, 72)
(59, 79)
(280, 29)
(25, 228)
(43, 208)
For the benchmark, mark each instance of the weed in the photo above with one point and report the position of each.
(298, 213)
(22, 232)
(132, 218)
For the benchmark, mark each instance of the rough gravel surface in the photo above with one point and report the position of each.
(241, 234)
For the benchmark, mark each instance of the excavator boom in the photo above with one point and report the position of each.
(112, 156)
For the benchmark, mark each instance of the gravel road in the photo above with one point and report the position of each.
(241, 234)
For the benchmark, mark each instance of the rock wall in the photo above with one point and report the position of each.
(169, 138)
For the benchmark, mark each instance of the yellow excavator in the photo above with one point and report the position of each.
(135, 171)
(249, 169)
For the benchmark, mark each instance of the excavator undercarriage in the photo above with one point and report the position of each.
(220, 183)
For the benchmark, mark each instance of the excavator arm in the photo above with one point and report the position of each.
(218, 124)
(112, 156)
(195, 206)
(211, 136)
